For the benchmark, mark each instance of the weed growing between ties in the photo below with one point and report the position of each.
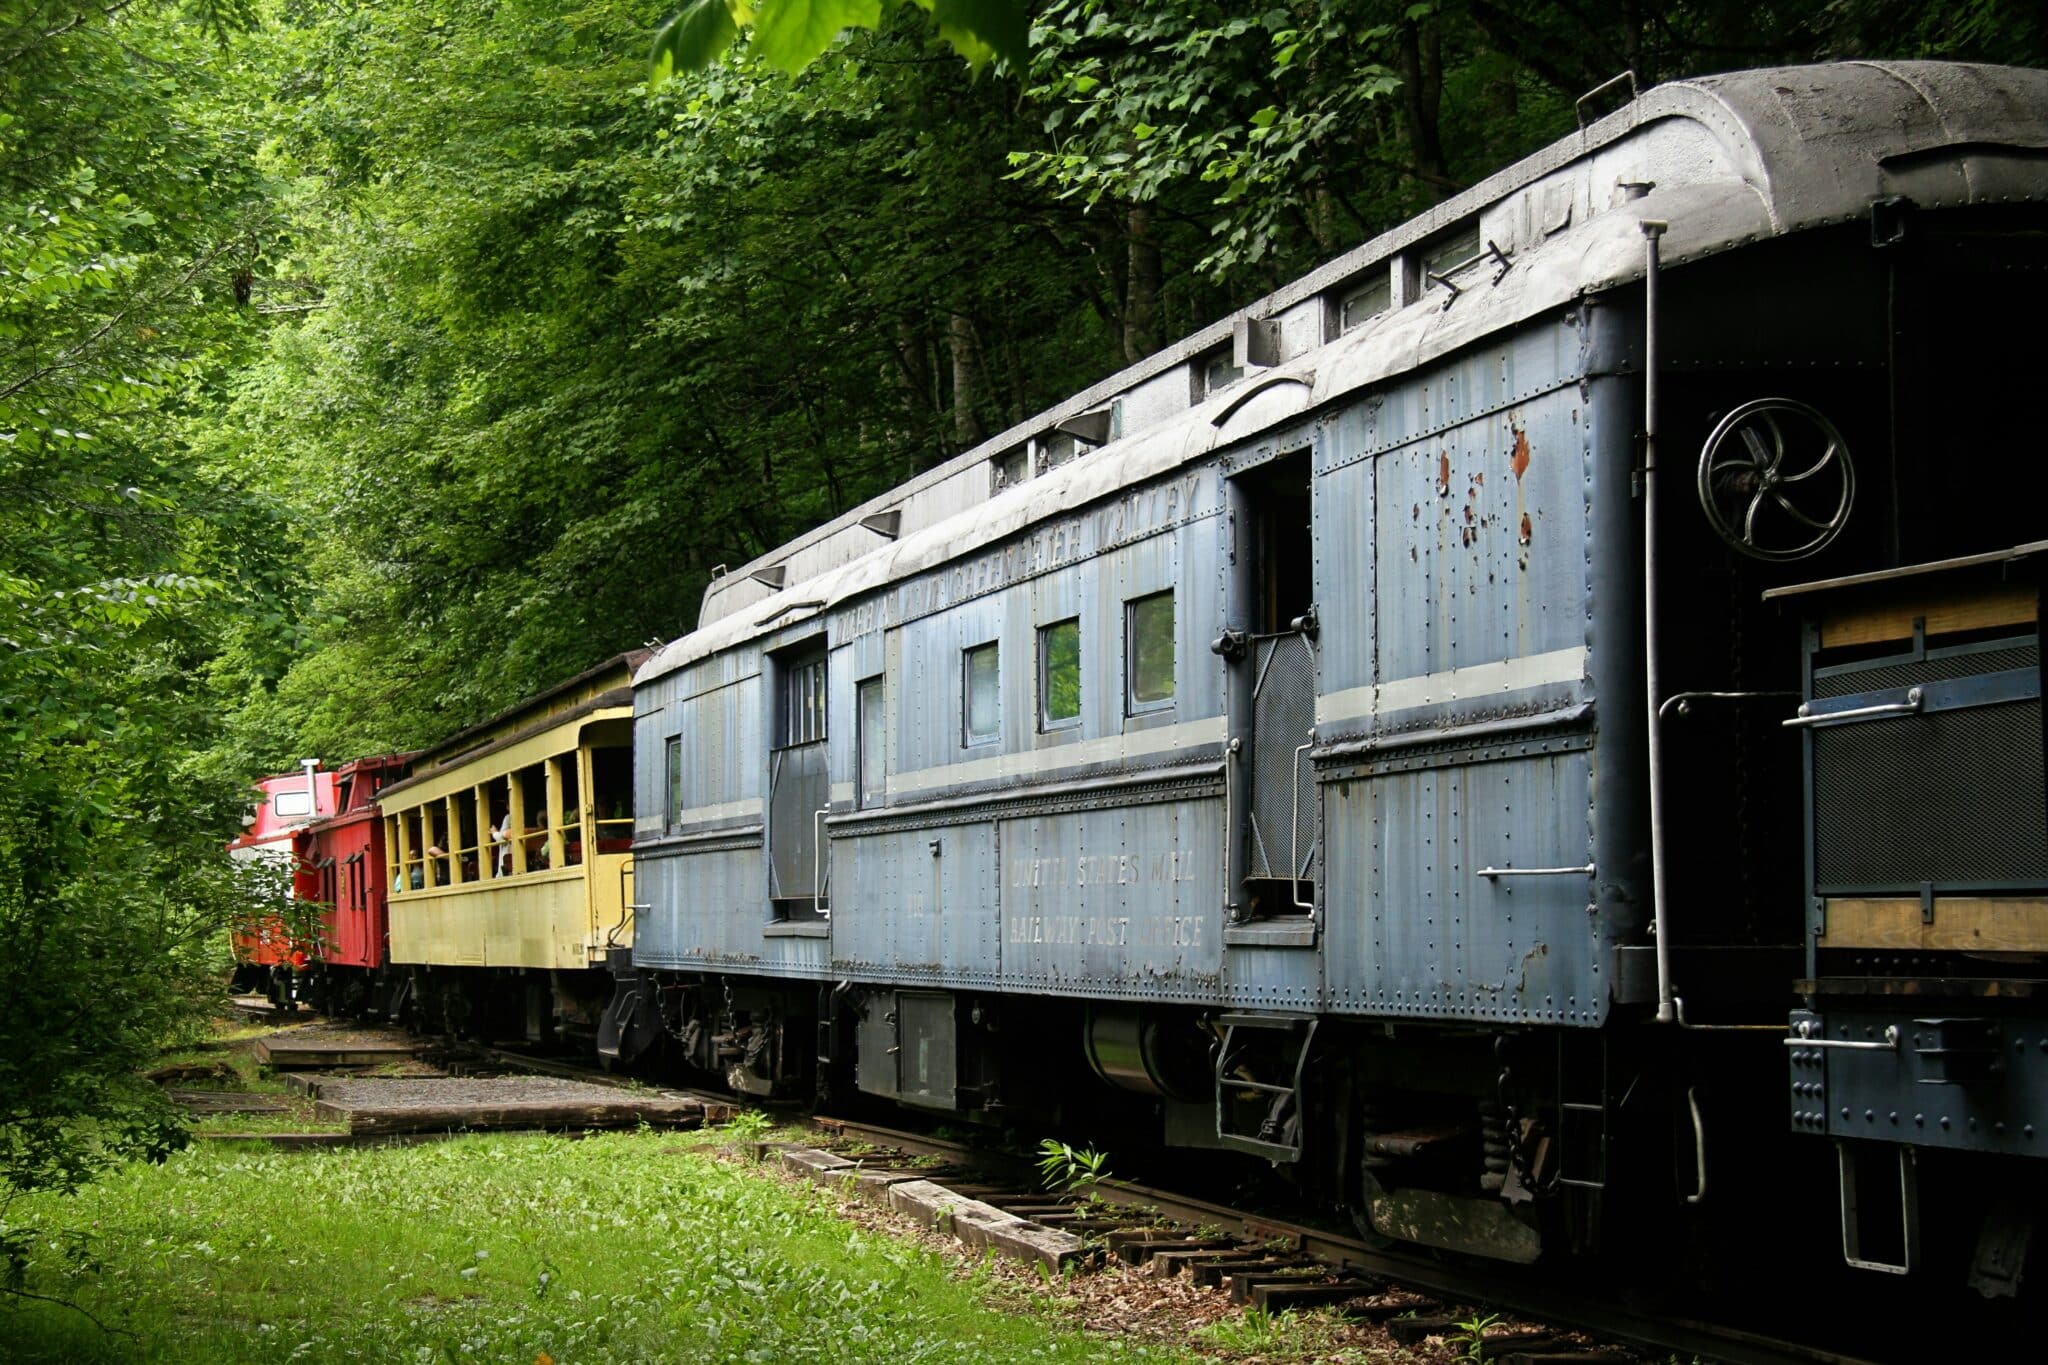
(624, 1246)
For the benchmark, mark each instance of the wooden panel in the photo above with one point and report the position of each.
(540, 920)
(1983, 924)
(2009, 604)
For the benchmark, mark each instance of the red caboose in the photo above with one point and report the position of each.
(267, 951)
(340, 872)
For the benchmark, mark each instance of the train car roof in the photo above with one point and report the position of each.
(1723, 160)
(565, 701)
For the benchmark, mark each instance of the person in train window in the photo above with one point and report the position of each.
(440, 857)
(501, 841)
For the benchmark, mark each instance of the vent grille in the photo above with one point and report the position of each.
(1955, 797)
(1916, 672)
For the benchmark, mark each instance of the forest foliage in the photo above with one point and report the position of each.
(573, 336)
(364, 368)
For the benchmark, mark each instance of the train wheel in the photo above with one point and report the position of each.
(1367, 1188)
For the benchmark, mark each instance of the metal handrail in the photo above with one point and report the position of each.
(1294, 877)
(1634, 93)
(1909, 707)
(818, 865)
(1802, 1036)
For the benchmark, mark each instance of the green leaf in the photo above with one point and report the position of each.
(981, 29)
(789, 34)
(1265, 116)
(696, 36)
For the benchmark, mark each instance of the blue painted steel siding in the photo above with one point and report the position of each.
(1413, 930)
(708, 910)
(1481, 475)
(1122, 902)
(1477, 560)
(706, 898)
(1424, 560)
(1346, 515)
(1443, 614)
(898, 911)
(907, 911)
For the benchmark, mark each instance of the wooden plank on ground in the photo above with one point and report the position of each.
(228, 1102)
(1277, 1297)
(427, 1104)
(292, 1051)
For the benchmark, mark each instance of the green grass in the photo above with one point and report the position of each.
(629, 1246)
(234, 1049)
(299, 1119)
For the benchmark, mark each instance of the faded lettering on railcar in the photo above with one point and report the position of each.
(1132, 516)
(1114, 931)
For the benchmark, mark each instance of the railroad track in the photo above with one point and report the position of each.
(1279, 1263)
(1352, 1270)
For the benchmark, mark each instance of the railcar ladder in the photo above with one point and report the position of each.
(1581, 1114)
(1248, 1039)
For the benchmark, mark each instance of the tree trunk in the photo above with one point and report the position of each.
(1141, 293)
(1422, 84)
(968, 382)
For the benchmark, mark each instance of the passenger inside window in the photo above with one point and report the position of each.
(572, 820)
(466, 841)
(501, 834)
(533, 799)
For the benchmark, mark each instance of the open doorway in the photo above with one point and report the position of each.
(1281, 827)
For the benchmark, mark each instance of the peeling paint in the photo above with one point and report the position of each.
(1527, 528)
(1520, 462)
(1443, 474)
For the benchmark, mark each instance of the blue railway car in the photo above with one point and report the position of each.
(1431, 729)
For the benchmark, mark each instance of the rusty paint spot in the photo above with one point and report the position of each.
(1520, 462)
(1443, 474)
(1415, 512)
(1479, 479)
(1527, 529)
(1468, 514)
(1412, 558)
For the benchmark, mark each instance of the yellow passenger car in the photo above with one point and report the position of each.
(509, 848)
